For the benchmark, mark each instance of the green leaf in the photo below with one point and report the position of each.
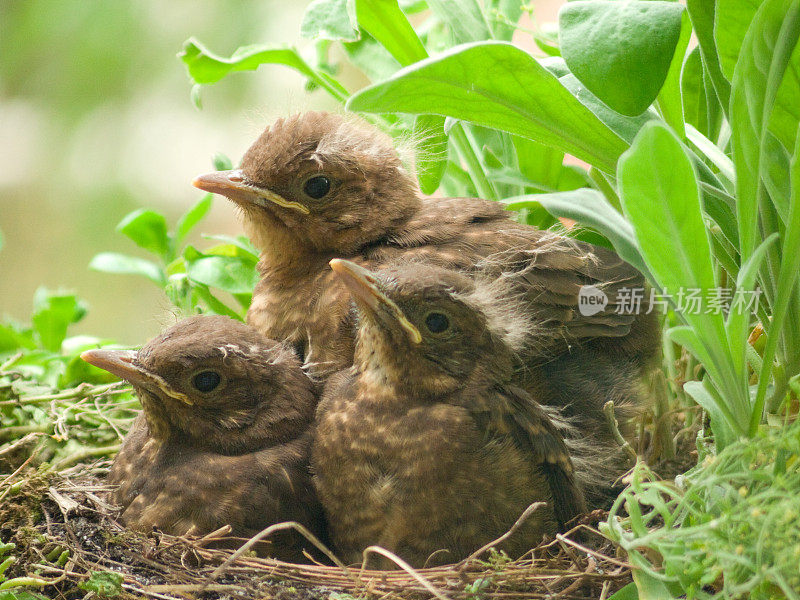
(700, 105)
(53, 312)
(111, 262)
(215, 305)
(650, 588)
(787, 280)
(621, 51)
(731, 20)
(589, 208)
(221, 162)
(624, 127)
(148, 229)
(669, 100)
(1, 239)
(385, 22)
(330, 20)
(786, 113)
(701, 13)
(500, 13)
(540, 164)
(431, 149)
(663, 205)
(464, 18)
(206, 67)
(192, 217)
(106, 584)
(627, 593)
(720, 421)
(240, 241)
(12, 340)
(766, 50)
(496, 85)
(372, 58)
(230, 274)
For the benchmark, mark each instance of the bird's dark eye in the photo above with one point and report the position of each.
(206, 381)
(436, 322)
(317, 187)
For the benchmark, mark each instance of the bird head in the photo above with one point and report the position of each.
(318, 182)
(429, 329)
(216, 383)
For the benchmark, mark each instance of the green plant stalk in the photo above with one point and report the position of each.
(466, 151)
(786, 281)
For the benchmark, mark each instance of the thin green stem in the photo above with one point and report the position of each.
(467, 153)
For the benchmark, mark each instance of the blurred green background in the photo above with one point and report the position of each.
(96, 121)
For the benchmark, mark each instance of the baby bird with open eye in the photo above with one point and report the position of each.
(318, 186)
(424, 446)
(223, 437)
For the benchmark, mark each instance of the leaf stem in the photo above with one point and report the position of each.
(467, 152)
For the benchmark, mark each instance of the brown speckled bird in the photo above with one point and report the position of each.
(223, 437)
(318, 186)
(425, 447)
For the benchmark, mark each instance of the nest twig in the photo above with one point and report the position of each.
(75, 517)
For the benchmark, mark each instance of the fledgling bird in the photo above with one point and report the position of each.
(223, 438)
(318, 186)
(425, 447)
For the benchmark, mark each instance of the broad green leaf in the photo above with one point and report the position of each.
(627, 593)
(731, 20)
(53, 312)
(1, 239)
(111, 262)
(192, 217)
(431, 159)
(215, 305)
(701, 13)
(148, 229)
(330, 20)
(669, 100)
(206, 67)
(230, 274)
(12, 340)
(240, 241)
(589, 208)
(385, 22)
(372, 58)
(538, 163)
(649, 587)
(464, 18)
(556, 66)
(621, 51)
(786, 113)
(625, 127)
(495, 84)
(663, 205)
(765, 53)
(234, 249)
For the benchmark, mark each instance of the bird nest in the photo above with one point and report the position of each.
(67, 536)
